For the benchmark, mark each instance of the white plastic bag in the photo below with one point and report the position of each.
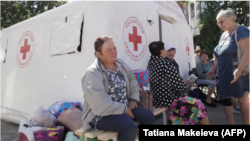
(42, 117)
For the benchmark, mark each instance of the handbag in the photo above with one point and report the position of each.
(239, 56)
(50, 134)
(146, 100)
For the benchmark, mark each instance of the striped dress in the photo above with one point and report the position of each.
(202, 69)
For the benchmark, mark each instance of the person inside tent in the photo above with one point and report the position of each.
(169, 90)
(111, 93)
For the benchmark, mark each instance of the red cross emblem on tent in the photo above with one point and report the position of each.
(25, 49)
(187, 48)
(134, 39)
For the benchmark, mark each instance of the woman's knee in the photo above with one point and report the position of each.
(204, 121)
(243, 99)
(148, 120)
(129, 125)
(130, 130)
(143, 116)
(151, 118)
(212, 85)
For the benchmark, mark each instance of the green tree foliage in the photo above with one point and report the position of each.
(13, 12)
(184, 2)
(241, 18)
(209, 31)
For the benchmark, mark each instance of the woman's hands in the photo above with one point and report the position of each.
(129, 113)
(210, 74)
(236, 76)
(186, 82)
(191, 83)
(131, 105)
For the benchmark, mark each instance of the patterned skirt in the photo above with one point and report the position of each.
(186, 111)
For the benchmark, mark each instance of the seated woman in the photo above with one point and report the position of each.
(202, 68)
(169, 90)
(171, 51)
(111, 93)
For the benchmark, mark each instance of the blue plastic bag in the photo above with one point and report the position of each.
(57, 108)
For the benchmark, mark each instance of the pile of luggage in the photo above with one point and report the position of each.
(60, 121)
(56, 123)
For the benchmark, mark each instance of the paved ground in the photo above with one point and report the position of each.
(216, 117)
(8, 131)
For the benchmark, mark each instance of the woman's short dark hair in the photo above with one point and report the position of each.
(156, 47)
(98, 45)
(99, 42)
(204, 52)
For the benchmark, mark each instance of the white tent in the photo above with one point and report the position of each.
(40, 57)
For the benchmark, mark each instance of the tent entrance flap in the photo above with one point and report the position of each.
(166, 32)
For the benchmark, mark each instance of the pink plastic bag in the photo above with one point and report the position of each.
(50, 134)
(25, 132)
